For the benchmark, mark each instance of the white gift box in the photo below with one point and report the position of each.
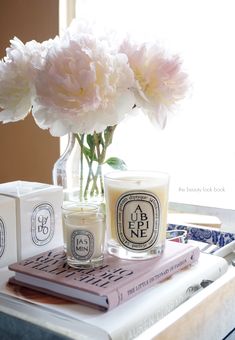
(38, 216)
(8, 253)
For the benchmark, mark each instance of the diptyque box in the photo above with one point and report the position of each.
(8, 248)
(38, 216)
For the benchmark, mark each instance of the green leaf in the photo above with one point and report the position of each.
(89, 153)
(90, 141)
(116, 163)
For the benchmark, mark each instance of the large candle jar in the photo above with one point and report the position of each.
(136, 209)
(84, 232)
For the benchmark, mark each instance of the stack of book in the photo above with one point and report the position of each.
(104, 287)
(128, 296)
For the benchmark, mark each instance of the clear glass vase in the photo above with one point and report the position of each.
(81, 180)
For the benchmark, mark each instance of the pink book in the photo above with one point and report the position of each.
(104, 287)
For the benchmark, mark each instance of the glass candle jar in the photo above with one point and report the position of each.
(74, 206)
(84, 233)
(136, 209)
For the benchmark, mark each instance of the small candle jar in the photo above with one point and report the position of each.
(84, 232)
(73, 206)
(136, 213)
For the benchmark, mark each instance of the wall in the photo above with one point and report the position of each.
(26, 151)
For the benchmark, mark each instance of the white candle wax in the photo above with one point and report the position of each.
(84, 234)
(137, 209)
(71, 207)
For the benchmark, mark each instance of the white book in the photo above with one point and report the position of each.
(126, 321)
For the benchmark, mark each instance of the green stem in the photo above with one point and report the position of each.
(90, 172)
(82, 194)
(81, 169)
(101, 140)
(94, 152)
(101, 180)
(98, 140)
(108, 135)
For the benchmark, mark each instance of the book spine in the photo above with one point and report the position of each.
(136, 326)
(167, 296)
(150, 279)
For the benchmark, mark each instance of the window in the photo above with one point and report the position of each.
(197, 147)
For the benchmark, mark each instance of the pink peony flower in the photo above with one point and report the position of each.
(83, 87)
(160, 81)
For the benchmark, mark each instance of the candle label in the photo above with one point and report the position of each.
(43, 224)
(2, 237)
(82, 244)
(138, 219)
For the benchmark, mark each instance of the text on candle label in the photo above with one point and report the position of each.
(42, 224)
(82, 244)
(138, 218)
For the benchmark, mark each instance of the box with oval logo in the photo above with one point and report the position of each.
(38, 216)
(8, 253)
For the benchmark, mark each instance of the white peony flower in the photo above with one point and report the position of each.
(160, 82)
(83, 87)
(100, 32)
(82, 82)
(17, 73)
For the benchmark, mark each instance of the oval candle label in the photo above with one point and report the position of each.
(42, 224)
(138, 220)
(82, 244)
(2, 238)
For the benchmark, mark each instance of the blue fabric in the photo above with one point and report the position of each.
(17, 329)
(230, 336)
